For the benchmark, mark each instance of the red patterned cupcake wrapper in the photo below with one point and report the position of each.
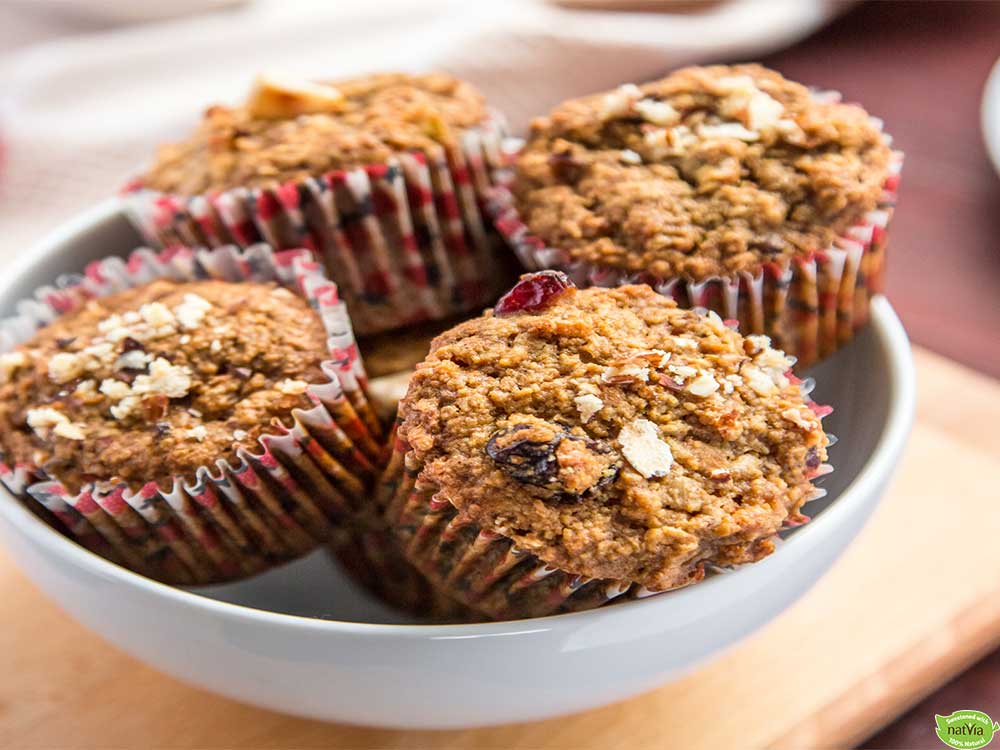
(480, 569)
(808, 306)
(374, 560)
(486, 572)
(405, 241)
(236, 517)
(370, 553)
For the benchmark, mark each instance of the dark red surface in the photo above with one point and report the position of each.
(922, 67)
(977, 688)
(533, 292)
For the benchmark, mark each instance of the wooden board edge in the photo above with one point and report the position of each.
(901, 683)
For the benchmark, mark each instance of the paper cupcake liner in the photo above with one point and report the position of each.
(486, 572)
(405, 241)
(370, 553)
(235, 518)
(808, 306)
(374, 560)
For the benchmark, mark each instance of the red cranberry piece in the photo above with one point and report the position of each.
(565, 167)
(812, 459)
(534, 291)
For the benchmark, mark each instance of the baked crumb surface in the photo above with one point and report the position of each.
(157, 381)
(707, 172)
(614, 435)
(292, 130)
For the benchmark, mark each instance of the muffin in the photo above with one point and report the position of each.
(383, 177)
(572, 447)
(725, 187)
(186, 416)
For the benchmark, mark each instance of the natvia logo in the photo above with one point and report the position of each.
(965, 729)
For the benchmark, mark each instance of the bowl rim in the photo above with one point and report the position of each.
(989, 115)
(885, 325)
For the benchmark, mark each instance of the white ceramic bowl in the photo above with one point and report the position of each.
(301, 640)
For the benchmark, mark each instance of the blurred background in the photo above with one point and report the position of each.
(88, 88)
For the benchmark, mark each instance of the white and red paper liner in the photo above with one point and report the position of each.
(370, 553)
(405, 241)
(809, 306)
(245, 513)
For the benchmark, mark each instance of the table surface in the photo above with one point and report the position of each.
(889, 622)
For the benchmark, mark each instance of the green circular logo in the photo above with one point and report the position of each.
(966, 729)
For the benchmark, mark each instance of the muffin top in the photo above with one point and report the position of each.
(158, 380)
(707, 172)
(612, 434)
(289, 130)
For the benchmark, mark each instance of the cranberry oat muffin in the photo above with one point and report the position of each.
(727, 187)
(572, 446)
(381, 176)
(199, 426)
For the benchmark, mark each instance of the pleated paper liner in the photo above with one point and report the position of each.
(373, 559)
(485, 571)
(370, 553)
(241, 515)
(405, 241)
(808, 306)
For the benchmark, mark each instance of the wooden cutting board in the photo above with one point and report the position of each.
(915, 599)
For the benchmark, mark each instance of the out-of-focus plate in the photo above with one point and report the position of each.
(991, 115)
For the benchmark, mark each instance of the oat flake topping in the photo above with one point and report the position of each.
(588, 405)
(645, 449)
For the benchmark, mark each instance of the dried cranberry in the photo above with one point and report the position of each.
(528, 461)
(519, 453)
(812, 459)
(535, 291)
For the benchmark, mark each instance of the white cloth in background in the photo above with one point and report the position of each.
(79, 114)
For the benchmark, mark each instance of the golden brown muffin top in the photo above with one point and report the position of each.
(157, 381)
(290, 130)
(614, 435)
(709, 171)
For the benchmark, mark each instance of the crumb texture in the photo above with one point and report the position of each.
(710, 171)
(157, 381)
(291, 130)
(614, 435)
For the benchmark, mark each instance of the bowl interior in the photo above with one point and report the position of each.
(855, 381)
